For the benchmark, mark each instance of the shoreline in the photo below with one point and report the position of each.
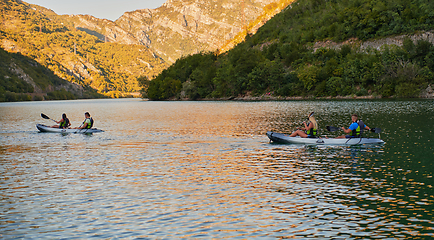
(427, 93)
(298, 98)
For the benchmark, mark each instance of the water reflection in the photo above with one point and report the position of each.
(338, 188)
(207, 170)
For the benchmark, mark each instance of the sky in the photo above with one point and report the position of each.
(108, 9)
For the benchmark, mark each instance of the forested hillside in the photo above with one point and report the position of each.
(282, 58)
(60, 52)
(23, 79)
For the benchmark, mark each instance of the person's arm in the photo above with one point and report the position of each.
(346, 130)
(82, 126)
(349, 130)
(303, 128)
(367, 128)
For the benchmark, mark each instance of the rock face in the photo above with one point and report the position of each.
(104, 29)
(21, 74)
(377, 44)
(179, 27)
(24, 76)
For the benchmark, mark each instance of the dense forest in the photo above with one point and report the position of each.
(280, 59)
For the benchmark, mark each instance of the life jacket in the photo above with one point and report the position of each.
(89, 126)
(359, 130)
(64, 123)
(311, 132)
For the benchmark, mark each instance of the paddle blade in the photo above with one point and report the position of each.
(44, 116)
(376, 130)
(331, 128)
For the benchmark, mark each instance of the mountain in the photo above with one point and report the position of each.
(182, 27)
(317, 48)
(109, 56)
(71, 54)
(24, 79)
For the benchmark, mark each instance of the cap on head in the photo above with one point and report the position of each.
(311, 114)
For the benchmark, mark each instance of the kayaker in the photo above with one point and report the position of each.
(87, 123)
(63, 123)
(356, 128)
(310, 129)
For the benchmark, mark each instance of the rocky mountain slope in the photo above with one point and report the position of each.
(68, 53)
(24, 79)
(182, 27)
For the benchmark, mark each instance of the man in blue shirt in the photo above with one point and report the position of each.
(356, 128)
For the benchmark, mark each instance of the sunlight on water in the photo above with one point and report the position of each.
(207, 170)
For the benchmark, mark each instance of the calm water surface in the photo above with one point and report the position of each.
(165, 170)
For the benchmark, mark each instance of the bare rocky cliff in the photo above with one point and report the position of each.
(104, 29)
(179, 27)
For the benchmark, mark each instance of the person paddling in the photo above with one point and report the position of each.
(310, 129)
(87, 123)
(63, 123)
(356, 128)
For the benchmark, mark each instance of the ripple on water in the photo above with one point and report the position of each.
(206, 170)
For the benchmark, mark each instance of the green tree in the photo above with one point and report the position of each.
(144, 83)
(308, 75)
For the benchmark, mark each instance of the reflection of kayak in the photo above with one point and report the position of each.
(44, 128)
(283, 138)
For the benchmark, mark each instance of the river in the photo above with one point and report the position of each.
(165, 170)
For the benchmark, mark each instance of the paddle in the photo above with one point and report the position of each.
(376, 130)
(47, 117)
(332, 129)
(78, 129)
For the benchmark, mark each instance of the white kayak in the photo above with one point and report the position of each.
(44, 128)
(283, 138)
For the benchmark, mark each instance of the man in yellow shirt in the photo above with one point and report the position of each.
(87, 123)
